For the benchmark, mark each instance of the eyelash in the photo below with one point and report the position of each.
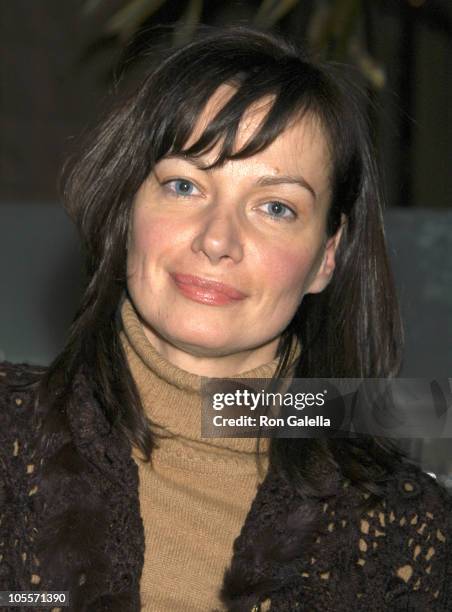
(176, 180)
(293, 214)
(167, 184)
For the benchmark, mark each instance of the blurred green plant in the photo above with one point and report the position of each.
(335, 29)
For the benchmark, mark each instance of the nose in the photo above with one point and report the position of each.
(219, 237)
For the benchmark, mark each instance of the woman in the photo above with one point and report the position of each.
(231, 216)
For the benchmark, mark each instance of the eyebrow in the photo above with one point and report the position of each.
(266, 181)
(263, 181)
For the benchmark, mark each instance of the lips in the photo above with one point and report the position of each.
(208, 285)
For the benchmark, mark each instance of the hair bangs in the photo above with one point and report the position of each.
(286, 99)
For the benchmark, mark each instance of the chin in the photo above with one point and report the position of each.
(197, 331)
(203, 346)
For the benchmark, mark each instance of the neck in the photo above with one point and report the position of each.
(171, 396)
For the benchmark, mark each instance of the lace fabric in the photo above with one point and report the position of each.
(80, 491)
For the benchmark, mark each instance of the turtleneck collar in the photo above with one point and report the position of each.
(171, 396)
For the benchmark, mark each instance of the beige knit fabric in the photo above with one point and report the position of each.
(195, 496)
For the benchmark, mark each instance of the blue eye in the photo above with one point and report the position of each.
(277, 210)
(181, 187)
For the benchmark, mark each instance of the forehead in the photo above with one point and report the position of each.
(301, 147)
(213, 105)
(252, 119)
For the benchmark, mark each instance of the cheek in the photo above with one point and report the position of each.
(148, 239)
(287, 271)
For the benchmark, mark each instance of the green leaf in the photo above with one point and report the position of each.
(188, 22)
(128, 19)
(270, 12)
(264, 9)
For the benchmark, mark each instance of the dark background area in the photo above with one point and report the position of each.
(59, 62)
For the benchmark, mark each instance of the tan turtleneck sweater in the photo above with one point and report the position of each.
(196, 495)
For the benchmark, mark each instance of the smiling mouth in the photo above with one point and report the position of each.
(206, 291)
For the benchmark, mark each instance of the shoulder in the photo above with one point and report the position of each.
(419, 508)
(394, 555)
(17, 375)
(18, 390)
(18, 394)
(412, 488)
(408, 536)
(18, 463)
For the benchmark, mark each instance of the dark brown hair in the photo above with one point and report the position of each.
(352, 329)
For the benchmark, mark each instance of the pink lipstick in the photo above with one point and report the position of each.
(206, 291)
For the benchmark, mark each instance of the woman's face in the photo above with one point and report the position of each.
(256, 225)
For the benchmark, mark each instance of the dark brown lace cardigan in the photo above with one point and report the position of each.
(70, 521)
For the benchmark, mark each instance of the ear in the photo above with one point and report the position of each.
(326, 269)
